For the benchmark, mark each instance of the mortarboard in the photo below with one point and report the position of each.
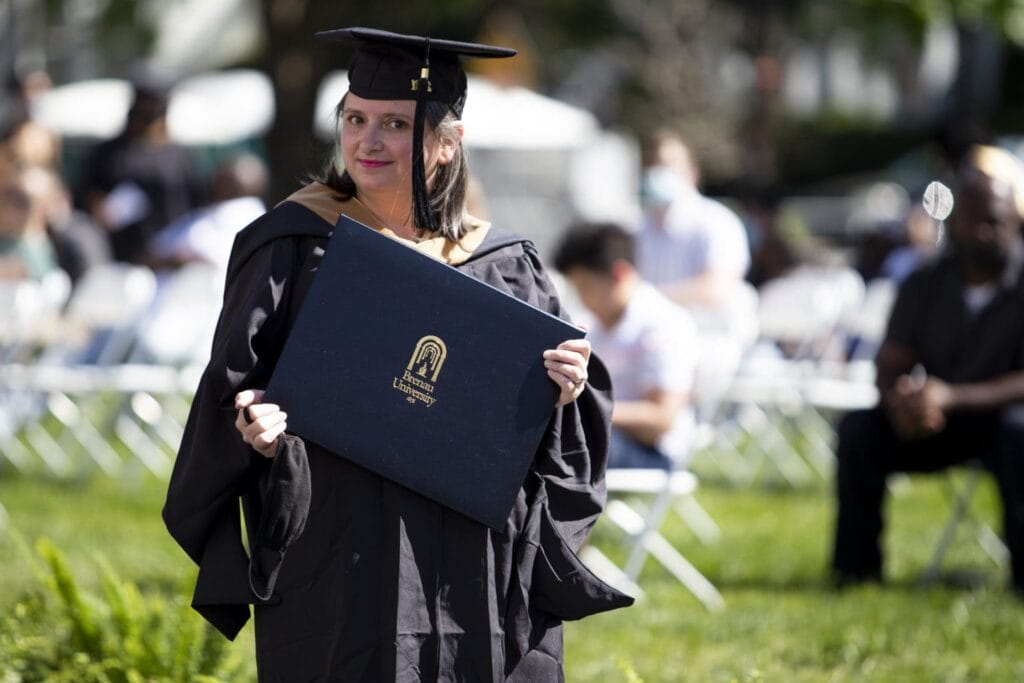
(393, 66)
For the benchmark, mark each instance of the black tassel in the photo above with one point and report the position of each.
(420, 203)
(422, 214)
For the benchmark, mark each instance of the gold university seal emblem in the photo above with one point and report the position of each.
(421, 373)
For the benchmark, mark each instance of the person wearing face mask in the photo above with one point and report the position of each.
(693, 248)
(950, 372)
(352, 576)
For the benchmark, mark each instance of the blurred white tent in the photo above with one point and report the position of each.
(88, 109)
(221, 107)
(207, 109)
(516, 117)
(541, 163)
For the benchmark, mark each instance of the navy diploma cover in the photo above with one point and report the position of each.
(419, 372)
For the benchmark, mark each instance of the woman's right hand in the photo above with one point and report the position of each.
(260, 424)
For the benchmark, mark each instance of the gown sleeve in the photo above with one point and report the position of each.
(214, 466)
(573, 455)
(569, 473)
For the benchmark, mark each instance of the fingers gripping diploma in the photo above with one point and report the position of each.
(260, 424)
(567, 367)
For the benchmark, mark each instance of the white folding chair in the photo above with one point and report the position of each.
(98, 328)
(28, 313)
(716, 441)
(19, 301)
(99, 323)
(802, 311)
(663, 492)
(801, 339)
(641, 499)
(866, 324)
(179, 328)
(960, 513)
(178, 332)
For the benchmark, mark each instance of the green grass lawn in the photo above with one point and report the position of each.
(781, 622)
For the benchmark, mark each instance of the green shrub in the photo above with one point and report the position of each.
(59, 633)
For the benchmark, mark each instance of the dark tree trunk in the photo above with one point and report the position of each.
(296, 63)
(975, 95)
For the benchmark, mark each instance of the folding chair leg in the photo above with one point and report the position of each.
(686, 573)
(77, 426)
(98, 448)
(963, 500)
(699, 521)
(773, 446)
(650, 541)
(599, 563)
(15, 453)
(993, 545)
(648, 526)
(818, 430)
(149, 411)
(728, 456)
(139, 442)
(48, 449)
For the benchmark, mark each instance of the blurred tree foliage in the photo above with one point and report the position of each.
(645, 64)
(913, 17)
(109, 33)
(891, 35)
(640, 64)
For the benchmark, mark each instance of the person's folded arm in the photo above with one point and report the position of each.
(650, 418)
(710, 288)
(994, 393)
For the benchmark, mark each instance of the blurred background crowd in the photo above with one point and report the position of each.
(138, 137)
(818, 128)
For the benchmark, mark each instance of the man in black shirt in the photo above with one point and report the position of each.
(950, 372)
(134, 185)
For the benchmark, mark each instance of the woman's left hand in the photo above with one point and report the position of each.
(567, 367)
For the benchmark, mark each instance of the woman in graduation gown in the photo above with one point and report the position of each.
(353, 577)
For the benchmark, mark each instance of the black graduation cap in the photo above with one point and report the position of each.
(394, 66)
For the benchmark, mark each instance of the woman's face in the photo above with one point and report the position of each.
(376, 144)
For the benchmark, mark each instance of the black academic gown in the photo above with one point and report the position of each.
(375, 582)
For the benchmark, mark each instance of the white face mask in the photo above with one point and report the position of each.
(659, 186)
